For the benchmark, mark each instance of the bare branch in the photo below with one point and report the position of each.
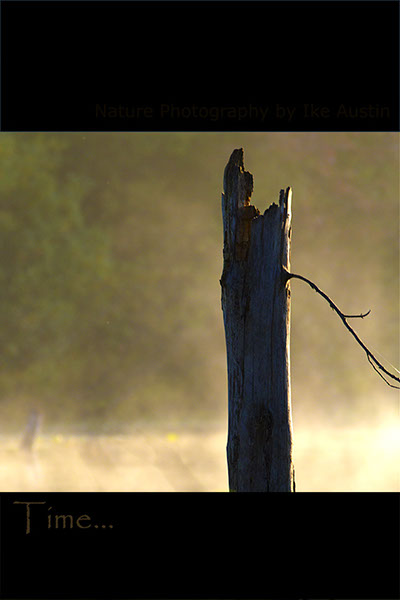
(380, 374)
(362, 316)
(371, 358)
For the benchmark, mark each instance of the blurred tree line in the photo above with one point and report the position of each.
(99, 277)
(111, 251)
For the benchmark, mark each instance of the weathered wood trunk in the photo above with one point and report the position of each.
(256, 309)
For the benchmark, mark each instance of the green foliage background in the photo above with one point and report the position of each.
(111, 253)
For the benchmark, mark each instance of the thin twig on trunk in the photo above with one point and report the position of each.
(371, 358)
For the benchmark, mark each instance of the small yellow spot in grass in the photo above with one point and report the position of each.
(172, 437)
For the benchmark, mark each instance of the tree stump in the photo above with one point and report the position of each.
(256, 309)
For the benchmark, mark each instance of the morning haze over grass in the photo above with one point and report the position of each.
(110, 266)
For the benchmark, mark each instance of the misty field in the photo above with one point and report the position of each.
(193, 460)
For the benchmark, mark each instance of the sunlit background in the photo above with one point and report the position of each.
(111, 324)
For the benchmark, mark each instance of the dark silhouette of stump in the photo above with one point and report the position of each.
(256, 308)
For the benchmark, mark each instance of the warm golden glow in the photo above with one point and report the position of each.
(111, 322)
(178, 459)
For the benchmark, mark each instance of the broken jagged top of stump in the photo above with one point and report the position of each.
(238, 212)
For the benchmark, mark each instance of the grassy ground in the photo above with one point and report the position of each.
(193, 460)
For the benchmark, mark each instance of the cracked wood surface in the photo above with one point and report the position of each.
(256, 308)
